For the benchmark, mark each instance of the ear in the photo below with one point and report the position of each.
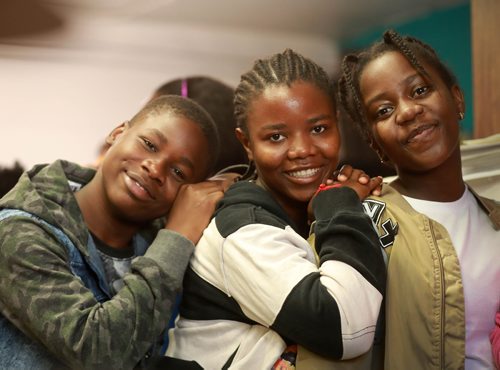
(458, 97)
(117, 132)
(245, 141)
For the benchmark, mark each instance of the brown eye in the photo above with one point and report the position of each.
(382, 112)
(318, 129)
(419, 91)
(150, 146)
(179, 174)
(276, 137)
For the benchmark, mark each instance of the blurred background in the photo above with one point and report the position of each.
(71, 70)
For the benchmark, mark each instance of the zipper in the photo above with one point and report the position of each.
(441, 271)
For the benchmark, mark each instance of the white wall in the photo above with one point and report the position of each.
(60, 94)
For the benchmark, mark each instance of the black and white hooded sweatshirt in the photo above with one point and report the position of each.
(254, 285)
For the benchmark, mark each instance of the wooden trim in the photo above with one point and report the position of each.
(485, 33)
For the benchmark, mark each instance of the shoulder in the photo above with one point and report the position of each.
(63, 170)
(233, 218)
(490, 206)
(390, 202)
(246, 203)
(385, 212)
(25, 238)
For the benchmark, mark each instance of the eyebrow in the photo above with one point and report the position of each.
(159, 135)
(321, 117)
(163, 139)
(274, 126)
(406, 81)
(187, 162)
(279, 126)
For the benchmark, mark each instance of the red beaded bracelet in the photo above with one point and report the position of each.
(326, 187)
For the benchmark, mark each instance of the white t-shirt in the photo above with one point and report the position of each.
(478, 248)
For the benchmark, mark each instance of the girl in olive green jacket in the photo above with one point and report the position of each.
(443, 284)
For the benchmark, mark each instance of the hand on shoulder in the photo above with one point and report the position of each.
(195, 205)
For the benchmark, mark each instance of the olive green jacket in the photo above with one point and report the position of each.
(424, 309)
(424, 279)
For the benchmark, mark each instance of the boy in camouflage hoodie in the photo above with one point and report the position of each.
(88, 274)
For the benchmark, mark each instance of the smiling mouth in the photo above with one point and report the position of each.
(137, 188)
(142, 187)
(420, 133)
(302, 174)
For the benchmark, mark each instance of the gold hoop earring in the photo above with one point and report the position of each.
(461, 115)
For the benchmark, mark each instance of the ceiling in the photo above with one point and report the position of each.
(90, 63)
(335, 19)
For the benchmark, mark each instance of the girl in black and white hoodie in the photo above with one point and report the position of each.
(255, 288)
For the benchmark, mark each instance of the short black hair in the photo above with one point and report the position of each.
(280, 69)
(188, 108)
(415, 51)
(217, 99)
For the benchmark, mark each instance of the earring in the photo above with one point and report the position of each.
(380, 156)
(383, 158)
(461, 115)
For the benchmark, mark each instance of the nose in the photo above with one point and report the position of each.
(154, 169)
(407, 111)
(301, 146)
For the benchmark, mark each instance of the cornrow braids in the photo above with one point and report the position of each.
(280, 69)
(414, 50)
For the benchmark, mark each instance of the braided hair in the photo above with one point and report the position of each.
(280, 69)
(414, 50)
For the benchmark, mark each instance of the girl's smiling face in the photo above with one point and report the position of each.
(414, 120)
(293, 140)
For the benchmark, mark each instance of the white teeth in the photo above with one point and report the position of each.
(304, 173)
(139, 185)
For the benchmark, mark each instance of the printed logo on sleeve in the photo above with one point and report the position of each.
(374, 209)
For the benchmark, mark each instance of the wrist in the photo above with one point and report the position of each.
(323, 187)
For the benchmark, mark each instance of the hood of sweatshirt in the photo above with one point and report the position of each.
(245, 195)
(47, 191)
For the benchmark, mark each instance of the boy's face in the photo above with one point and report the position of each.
(148, 162)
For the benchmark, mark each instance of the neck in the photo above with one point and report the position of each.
(295, 210)
(298, 214)
(100, 218)
(441, 184)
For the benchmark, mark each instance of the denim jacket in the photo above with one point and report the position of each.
(19, 351)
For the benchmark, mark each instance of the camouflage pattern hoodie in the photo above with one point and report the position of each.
(42, 297)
